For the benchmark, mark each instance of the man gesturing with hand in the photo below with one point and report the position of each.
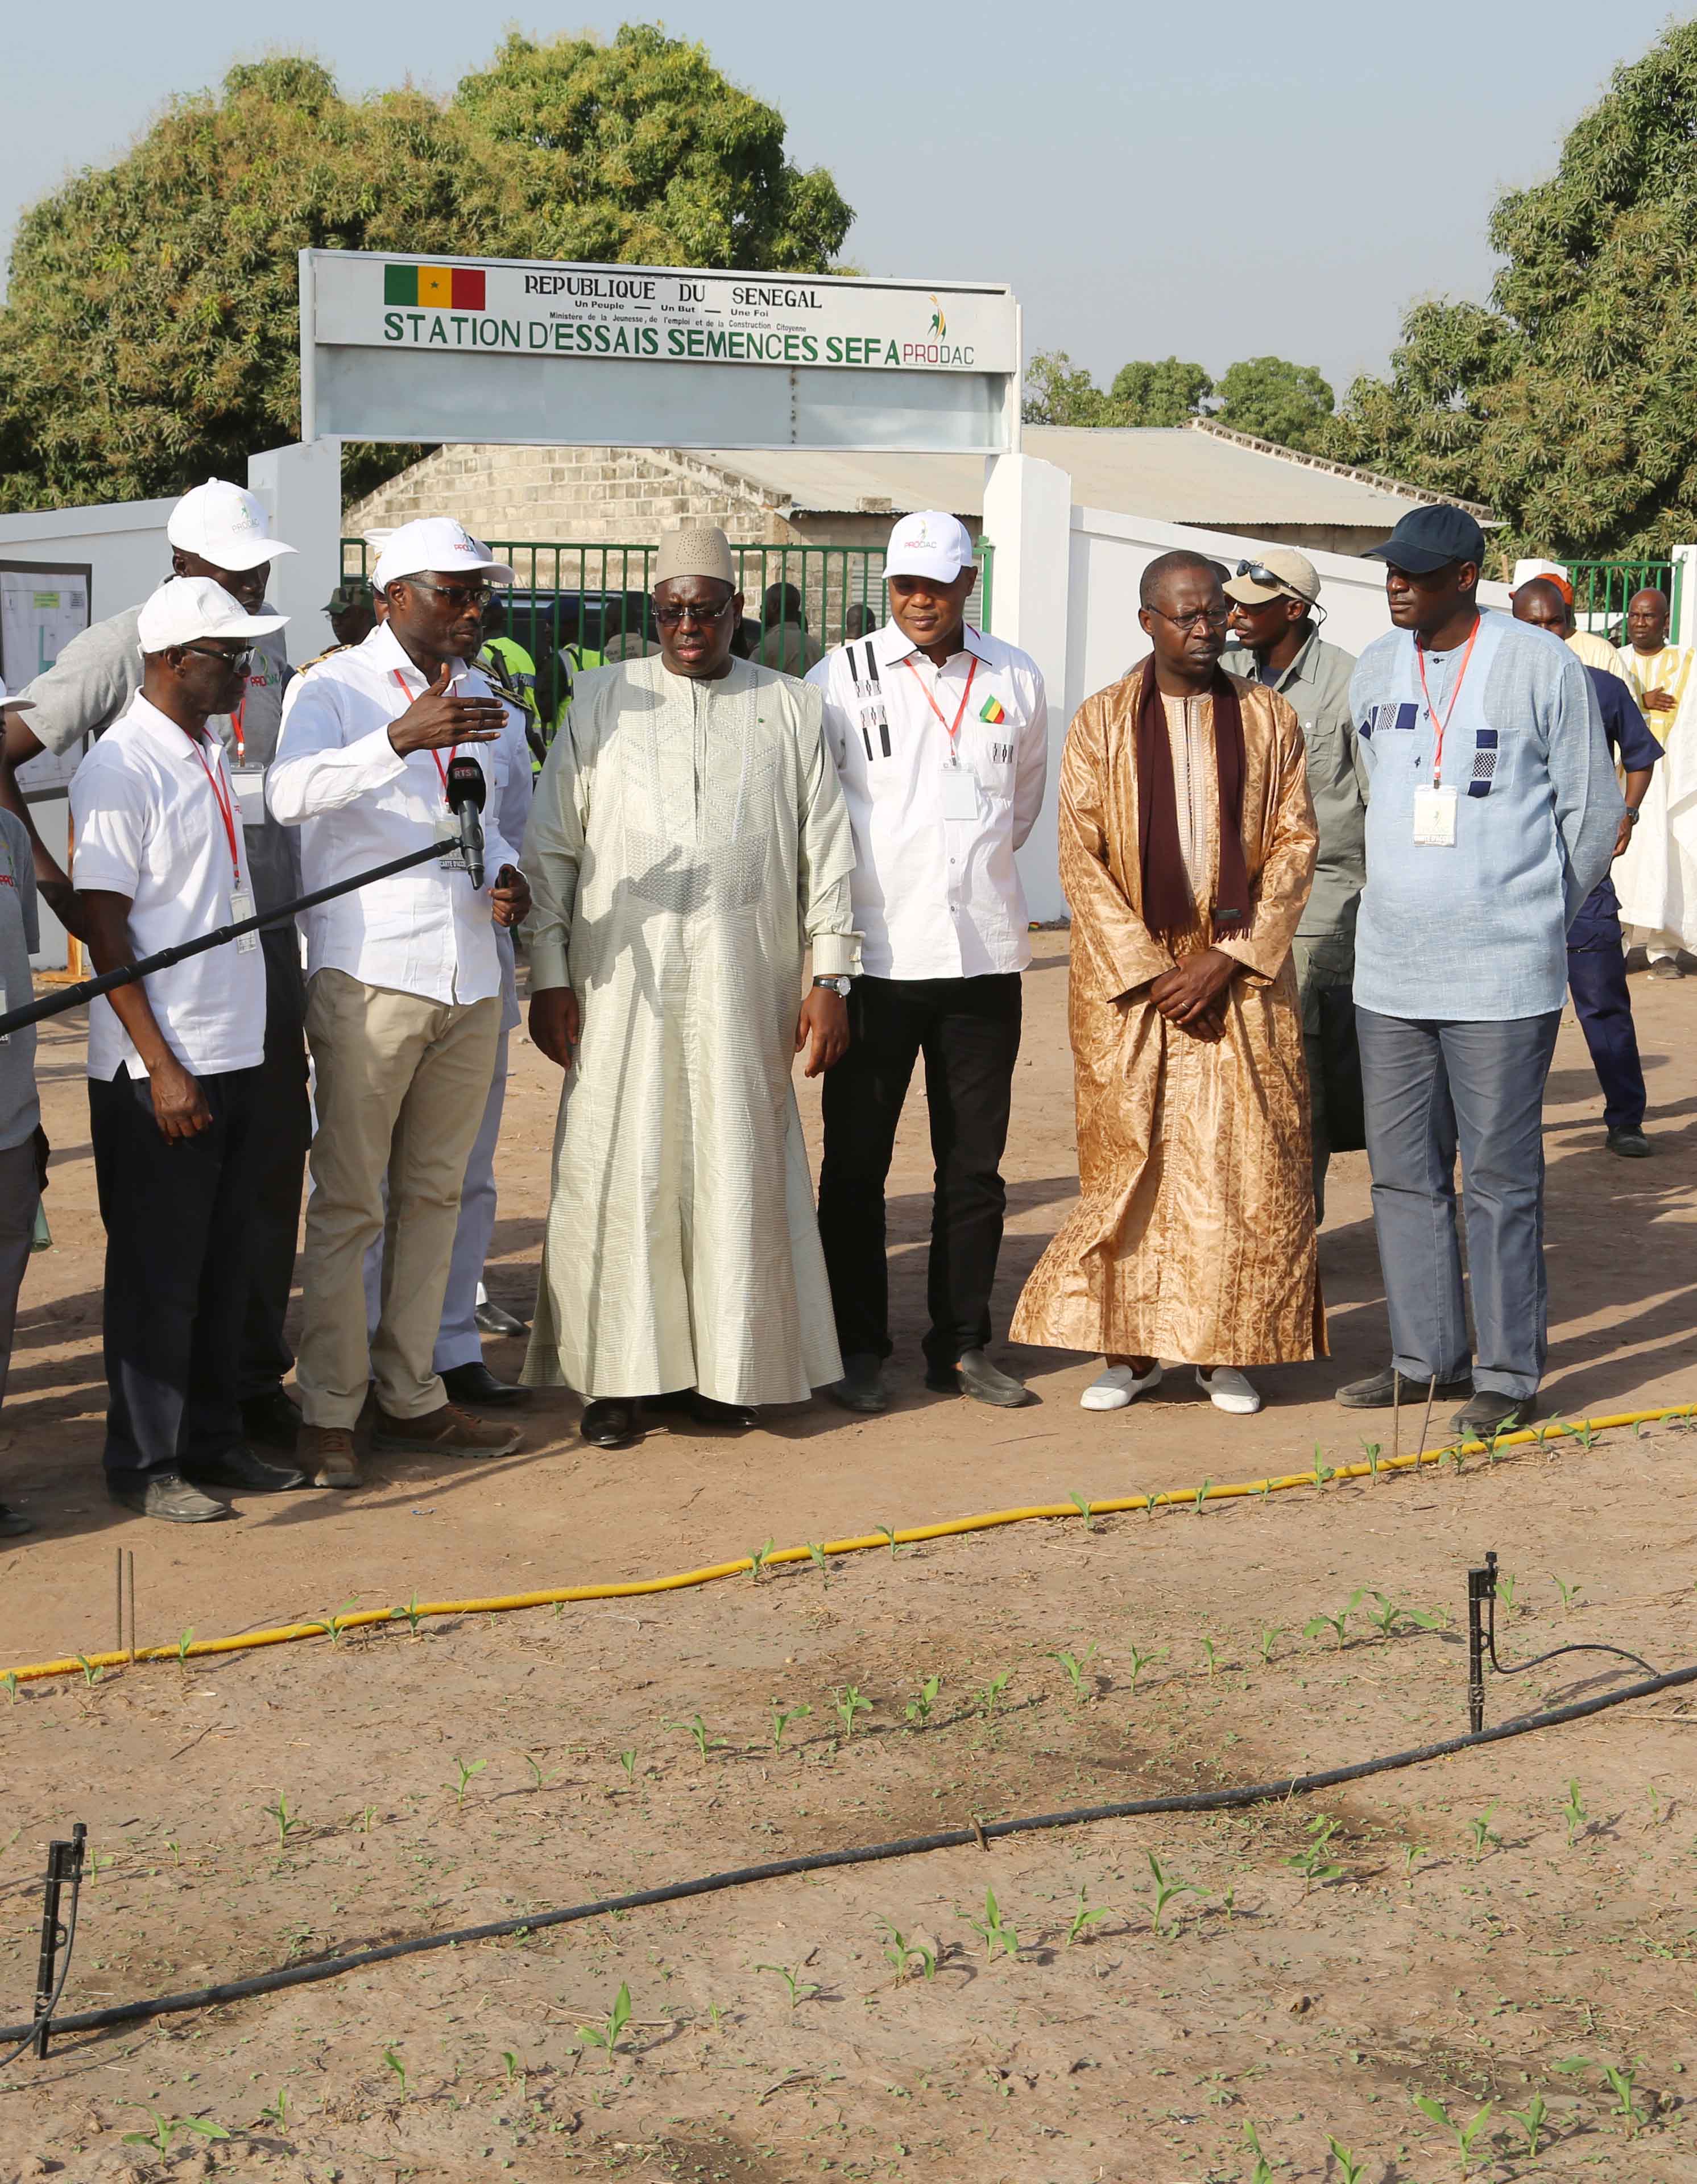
(404, 996)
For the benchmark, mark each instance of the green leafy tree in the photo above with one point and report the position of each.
(1058, 392)
(1569, 402)
(150, 333)
(1277, 400)
(1165, 393)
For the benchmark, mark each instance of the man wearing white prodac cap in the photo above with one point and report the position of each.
(220, 530)
(403, 1004)
(941, 738)
(174, 1060)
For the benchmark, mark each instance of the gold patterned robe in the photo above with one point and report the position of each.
(1194, 1237)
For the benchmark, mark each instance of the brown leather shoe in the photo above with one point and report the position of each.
(445, 1431)
(330, 1457)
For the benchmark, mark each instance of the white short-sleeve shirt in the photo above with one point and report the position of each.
(149, 826)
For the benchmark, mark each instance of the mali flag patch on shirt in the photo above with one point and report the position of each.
(434, 288)
(993, 711)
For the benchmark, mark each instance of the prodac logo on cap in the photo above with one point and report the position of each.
(434, 288)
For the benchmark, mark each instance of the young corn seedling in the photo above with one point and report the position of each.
(1141, 1660)
(1202, 1495)
(183, 1645)
(606, 2035)
(1085, 1915)
(166, 2128)
(91, 1675)
(278, 2110)
(1269, 1637)
(1622, 2078)
(392, 2062)
(1323, 1470)
(1349, 2170)
(1574, 1814)
(465, 1776)
(627, 1760)
(816, 1555)
(1532, 2119)
(1390, 1613)
(1074, 1669)
(538, 1779)
(799, 1989)
(1207, 1644)
(1314, 1861)
(411, 1614)
(1165, 1888)
(918, 1709)
(1371, 1452)
(781, 1719)
(286, 1822)
(1082, 1506)
(846, 1703)
(516, 2073)
(1568, 1591)
(888, 1532)
(1335, 1623)
(757, 1560)
(1262, 2173)
(899, 1953)
(1462, 2134)
(696, 1728)
(10, 1681)
(985, 1700)
(1413, 1851)
(998, 1936)
(1479, 1831)
(1505, 1592)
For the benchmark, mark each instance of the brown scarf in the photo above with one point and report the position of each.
(1167, 908)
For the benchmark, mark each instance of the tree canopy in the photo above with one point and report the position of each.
(1163, 393)
(150, 334)
(1569, 402)
(1290, 402)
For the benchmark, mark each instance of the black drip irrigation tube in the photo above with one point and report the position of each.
(983, 1833)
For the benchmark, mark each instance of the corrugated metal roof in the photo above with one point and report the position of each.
(1176, 476)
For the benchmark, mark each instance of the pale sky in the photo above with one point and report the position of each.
(1217, 182)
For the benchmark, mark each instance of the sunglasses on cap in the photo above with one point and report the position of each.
(1259, 573)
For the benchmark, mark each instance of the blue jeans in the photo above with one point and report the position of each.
(1432, 1087)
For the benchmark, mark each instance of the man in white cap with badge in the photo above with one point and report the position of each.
(940, 734)
(218, 531)
(1276, 617)
(174, 1060)
(403, 1004)
(687, 839)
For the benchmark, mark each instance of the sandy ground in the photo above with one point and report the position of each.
(1461, 1964)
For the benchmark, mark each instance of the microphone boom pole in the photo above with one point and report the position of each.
(126, 974)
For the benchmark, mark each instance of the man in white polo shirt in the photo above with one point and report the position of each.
(940, 734)
(403, 1005)
(175, 1061)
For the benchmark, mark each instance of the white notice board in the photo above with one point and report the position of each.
(42, 606)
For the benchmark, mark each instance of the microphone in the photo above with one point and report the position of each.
(466, 789)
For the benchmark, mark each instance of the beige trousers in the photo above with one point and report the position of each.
(400, 1087)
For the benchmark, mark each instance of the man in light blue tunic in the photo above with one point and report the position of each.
(1492, 814)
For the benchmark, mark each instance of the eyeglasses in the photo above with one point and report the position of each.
(673, 614)
(457, 595)
(212, 652)
(1216, 617)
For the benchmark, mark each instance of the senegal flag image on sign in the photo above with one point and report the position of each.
(434, 288)
(991, 711)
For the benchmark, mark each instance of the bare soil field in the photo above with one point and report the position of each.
(1145, 2000)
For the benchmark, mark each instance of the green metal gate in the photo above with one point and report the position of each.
(1602, 589)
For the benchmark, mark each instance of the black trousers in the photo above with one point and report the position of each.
(968, 1030)
(282, 1123)
(177, 1215)
(1597, 979)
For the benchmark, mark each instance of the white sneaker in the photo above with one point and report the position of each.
(1227, 1390)
(1113, 1389)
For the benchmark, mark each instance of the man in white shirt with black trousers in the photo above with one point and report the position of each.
(940, 734)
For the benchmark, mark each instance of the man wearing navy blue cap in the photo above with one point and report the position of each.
(1596, 947)
(1494, 812)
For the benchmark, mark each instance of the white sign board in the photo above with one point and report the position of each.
(408, 348)
(41, 608)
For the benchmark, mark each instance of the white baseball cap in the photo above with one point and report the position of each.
(929, 544)
(435, 542)
(15, 705)
(185, 608)
(226, 525)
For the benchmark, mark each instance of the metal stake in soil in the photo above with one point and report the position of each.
(64, 1863)
(1482, 1585)
(1426, 1423)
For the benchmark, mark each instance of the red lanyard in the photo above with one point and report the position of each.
(960, 711)
(1449, 711)
(226, 809)
(441, 770)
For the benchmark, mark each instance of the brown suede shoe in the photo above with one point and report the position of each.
(446, 1431)
(330, 1457)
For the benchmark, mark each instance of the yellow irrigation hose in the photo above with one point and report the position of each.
(287, 1634)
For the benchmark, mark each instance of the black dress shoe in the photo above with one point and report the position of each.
(705, 1411)
(243, 1472)
(475, 1384)
(12, 1525)
(166, 1496)
(1630, 1144)
(1491, 1411)
(493, 1318)
(271, 1419)
(1379, 1390)
(611, 1421)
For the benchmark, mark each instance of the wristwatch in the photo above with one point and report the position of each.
(837, 985)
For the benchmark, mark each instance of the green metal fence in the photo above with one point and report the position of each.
(1602, 589)
(585, 596)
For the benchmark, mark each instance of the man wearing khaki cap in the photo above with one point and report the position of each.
(687, 839)
(1276, 617)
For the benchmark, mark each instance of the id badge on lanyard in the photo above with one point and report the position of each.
(958, 789)
(1436, 807)
(241, 900)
